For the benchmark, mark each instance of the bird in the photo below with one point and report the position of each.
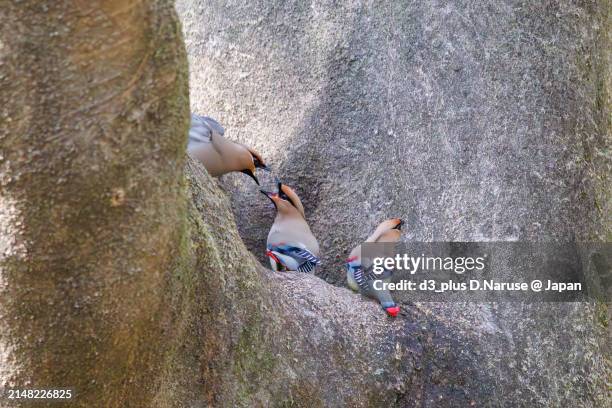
(291, 246)
(219, 155)
(362, 280)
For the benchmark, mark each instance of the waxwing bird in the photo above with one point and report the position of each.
(361, 280)
(220, 156)
(291, 245)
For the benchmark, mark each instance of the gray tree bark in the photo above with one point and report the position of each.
(124, 277)
(473, 121)
(94, 112)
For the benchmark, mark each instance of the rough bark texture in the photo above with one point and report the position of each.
(128, 282)
(475, 121)
(471, 120)
(94, 97)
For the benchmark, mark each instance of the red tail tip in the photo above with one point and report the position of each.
(393, 311)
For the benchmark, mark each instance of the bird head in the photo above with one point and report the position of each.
(258, 161)
(387, 231)
(285, 200)
(251, 160)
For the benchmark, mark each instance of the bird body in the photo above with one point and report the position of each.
(219, 155)
(293, 229)
(291, 245)
(361, 278)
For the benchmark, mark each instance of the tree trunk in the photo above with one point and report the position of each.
(125, 278)
(94, 115)
(473, 121)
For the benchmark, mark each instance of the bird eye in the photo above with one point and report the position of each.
(285, 197)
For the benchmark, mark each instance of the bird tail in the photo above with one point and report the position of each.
(392, 311)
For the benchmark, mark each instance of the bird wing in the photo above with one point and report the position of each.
(385, 274)
(362, 278)
(365, 281)
(366, 276)
(295, 258)
(202, 129)
(285, 260)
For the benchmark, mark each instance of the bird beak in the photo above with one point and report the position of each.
(270, 195)
(400, 222)
(249, 173)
